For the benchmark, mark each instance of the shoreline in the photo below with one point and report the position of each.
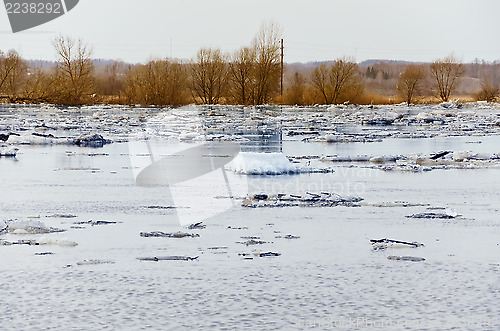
(393, 100)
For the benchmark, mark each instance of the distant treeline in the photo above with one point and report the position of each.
(249, 76)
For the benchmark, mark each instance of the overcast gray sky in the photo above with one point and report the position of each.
(314, 30)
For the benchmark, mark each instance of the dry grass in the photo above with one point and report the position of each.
(371, 98)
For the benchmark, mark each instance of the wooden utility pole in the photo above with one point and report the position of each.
(281, 85)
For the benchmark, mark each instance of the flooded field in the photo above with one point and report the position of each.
(287, 218)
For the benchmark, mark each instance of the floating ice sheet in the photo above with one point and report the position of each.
(263, 164)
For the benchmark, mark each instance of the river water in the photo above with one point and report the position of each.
(329, 277)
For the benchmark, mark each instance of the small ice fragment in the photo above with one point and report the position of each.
(451, 212)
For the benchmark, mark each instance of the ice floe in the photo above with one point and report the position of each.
(382, 244)
(94, 262)
(8, 150)
(39, 242)
(322, 199)
(168, 235)
(433, 215)
(257, 253)
(168, 258)
(263, 164)
(416, 162)
(227, 123)
(26, 227)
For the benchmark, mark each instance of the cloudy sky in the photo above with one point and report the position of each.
(313, 30)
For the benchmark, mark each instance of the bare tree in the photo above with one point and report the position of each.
(343, 77)
(159, 83)
(489, 91)
(74, 71)
(112, 81)
(178, 83)
(320, 81)
(241, 76)
(209, 76)
(13, 73)
(446, 73)
(5, 69)
(38, 86)
(267, 45)
(295, 92)
(337, 81)
(410, 82)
